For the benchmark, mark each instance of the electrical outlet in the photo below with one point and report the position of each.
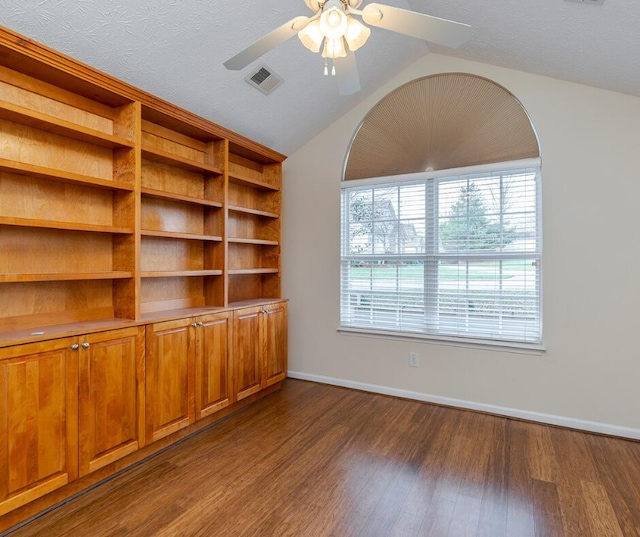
(414, 359)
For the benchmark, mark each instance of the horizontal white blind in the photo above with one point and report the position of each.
(452, 256)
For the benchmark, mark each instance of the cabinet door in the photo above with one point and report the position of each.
(212, 364)
(111, 407)
(274, 341)
(247, 362)
(38, 420)
(170, 379)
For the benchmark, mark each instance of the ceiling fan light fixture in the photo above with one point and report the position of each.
(357, 34)
(335, 33)
(333, 23)
(311, 36)
(334, 48)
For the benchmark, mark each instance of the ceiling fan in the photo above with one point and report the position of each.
(336, 34)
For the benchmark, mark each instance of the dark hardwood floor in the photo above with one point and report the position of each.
(314, 460)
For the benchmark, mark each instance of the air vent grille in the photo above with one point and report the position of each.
(264, 79)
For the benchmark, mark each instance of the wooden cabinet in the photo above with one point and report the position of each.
(72, 406)
(38, 420)
(187, 372)
(111, 404)
(260, 348)
(247, 364)
(213, 377)
(170, 361)
(274, 341)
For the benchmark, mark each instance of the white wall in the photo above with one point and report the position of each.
(590, 371)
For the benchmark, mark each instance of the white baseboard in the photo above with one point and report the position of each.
(550, 419)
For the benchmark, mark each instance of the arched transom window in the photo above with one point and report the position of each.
(441, 216)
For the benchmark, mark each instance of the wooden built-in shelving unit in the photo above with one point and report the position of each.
(139, 275)
(151, 207)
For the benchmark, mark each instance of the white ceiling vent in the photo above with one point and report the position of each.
(264, 79)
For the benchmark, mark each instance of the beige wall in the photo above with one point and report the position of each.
(590, 142)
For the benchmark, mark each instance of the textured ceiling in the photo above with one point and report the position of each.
(175, 49)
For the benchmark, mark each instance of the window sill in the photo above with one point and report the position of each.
(497, 346)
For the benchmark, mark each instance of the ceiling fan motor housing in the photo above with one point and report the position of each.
(316, 5)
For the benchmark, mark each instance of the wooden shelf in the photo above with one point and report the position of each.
(163, 157)
(180, 273)
(64, 276)
(261, 242)
(60, 176)
(250, 181)
(243, 272)
(255, 212)
(178, 235)
(67, 226)
(161, 194)
(37, 120)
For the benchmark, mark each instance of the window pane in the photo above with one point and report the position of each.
(494, 298)
(455, 256)
(360, 205)
(383, 295)
(487, 213)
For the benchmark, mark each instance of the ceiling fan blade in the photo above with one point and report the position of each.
(433, 29)
(347, 74)
(266, 43)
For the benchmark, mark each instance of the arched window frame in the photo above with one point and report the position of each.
(448, 298)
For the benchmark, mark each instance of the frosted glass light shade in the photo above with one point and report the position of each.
(334, 48)
(333, 23)
(357, 34)
(311, 36)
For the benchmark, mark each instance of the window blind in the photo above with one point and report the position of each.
(455, 256)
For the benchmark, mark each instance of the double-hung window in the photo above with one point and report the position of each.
(451, 254)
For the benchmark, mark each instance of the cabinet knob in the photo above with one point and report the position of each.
(200, 323)
(266, 311)
(86, 345)
(75, 347)
(194, 324)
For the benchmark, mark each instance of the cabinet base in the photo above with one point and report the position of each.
(23, 515)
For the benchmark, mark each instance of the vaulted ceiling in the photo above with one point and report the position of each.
(175, 49)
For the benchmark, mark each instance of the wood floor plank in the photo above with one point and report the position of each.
(602, 518)
(320, 461)
(493, 511)
(520, 515)
(613, 458)
(542, 456)
(546, 507)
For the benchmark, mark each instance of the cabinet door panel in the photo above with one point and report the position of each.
(274, 340)
(170, 379)
(38, 423)
(111, 397)
(212, 364)
(247, 362)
